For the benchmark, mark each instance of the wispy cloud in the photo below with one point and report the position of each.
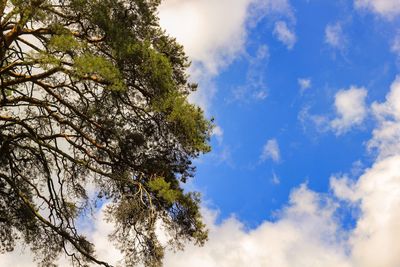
(334, 36)
(395, 46)
(255, 87)
(284, 34)
(271, 150)
(304, 83)
(218, 133)
(275, 179)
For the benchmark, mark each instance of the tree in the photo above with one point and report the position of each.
(93, 109)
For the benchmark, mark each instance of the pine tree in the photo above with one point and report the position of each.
(94, 109)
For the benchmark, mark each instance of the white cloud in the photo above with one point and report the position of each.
(271, 151)
(303, 236)
(260, 95)
(387, 135)
(377, 228)
(255, 87)
(385, 8)
(284, 34)
(208, 40)
(334, 36)
(395, 47)
(377, 191)
(304, 83)
(273, 10)
(275, 179)
(350, 108)
(319, 122)
(213, 41)
(218, 132)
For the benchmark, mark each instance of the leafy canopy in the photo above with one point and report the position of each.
(93, 110)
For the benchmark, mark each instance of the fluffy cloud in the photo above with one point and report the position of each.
(378, 192)
(271, 151)
(207, 39)
(304, 235)
(210, 42)
(386, 136)
(385, 8)
(334, 36)
(284, 34)
(350, 108)
(213, 43)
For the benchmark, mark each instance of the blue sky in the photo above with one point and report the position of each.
(306, 97)
(305, 167)
(280, 86)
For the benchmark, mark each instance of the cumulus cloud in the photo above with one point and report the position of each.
(271, 151)
(350, 108)
(210, 42)
(213, 43)
(386, 136)
(385, 8)
(334, 36)
(284, 34)
(304, 235)
(376, 230)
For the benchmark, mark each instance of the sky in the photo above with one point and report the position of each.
(305, 166)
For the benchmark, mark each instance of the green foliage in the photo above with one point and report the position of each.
(88, 65)
(163, 190)
(186, 120)
(94, 96)
(63, 43)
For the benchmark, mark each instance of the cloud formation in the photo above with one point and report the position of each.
(350, 108)
(385, 8)
(207, 39)
(255, 87)
(386, 136)
(213, 43)
(284, 34)
(210, 43)
(304, 83)
(271, 151)
(334, 36)
(395, 46)
(304, 235)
